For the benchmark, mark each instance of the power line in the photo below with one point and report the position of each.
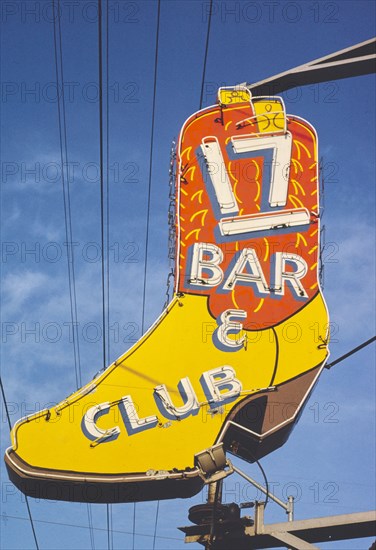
(104, 192)
(108, 180)
(30, 519)
(59, 70)
(5, 403)
(90, 520)
(109, 527)
(31, 522)
(150, 167)
(155, 525)
(134, 525)
(101, 529)
(100, 82)
(354, 350)
(148, 211)
(58, 54)
(206, 53)
(266, 481)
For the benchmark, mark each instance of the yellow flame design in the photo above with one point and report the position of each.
(191, 169)
(199, 194)
(296, 202)
(186, 151)
(299, 237)
(296, 163)
(300, 144)
(266, 249)
(233, 299)
(194, 231)
(260, 304)
(203, 216)
(297, 187)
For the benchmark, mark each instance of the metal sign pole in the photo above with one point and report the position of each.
(214, 498)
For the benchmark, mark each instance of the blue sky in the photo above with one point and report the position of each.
(328, 461)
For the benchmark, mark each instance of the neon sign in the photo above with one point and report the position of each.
(235, 354)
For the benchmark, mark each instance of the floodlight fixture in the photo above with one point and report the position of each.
(213, 464)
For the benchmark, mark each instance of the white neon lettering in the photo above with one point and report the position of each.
(280, 168)
(264, 221)
(229, 326)
(168, 409)
(131, 419)
(211, 265)
(90, 419)
(278, 183)
(292, 277)
(218, 175)
(220, 385)
(247, 259)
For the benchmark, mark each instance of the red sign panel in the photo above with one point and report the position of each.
(248, 211)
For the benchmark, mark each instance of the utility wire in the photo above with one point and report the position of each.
(110, 523)
(31, 522)
(148, 218)
(206, 53)
(58, 54)
(150, 168)
(5, 403)
(90, 521)
(109, 527)
(26, 497)
(134, 525)
(101, 529)
(104, 197)
(264, 476)
(100, 81)
(59, 71)
(354, 350)
(266, 482)
(155, 525)
(108, 180)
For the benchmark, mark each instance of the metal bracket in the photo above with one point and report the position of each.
(356, 60)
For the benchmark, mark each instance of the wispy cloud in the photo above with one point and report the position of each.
(18, 288)
(349, 279)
